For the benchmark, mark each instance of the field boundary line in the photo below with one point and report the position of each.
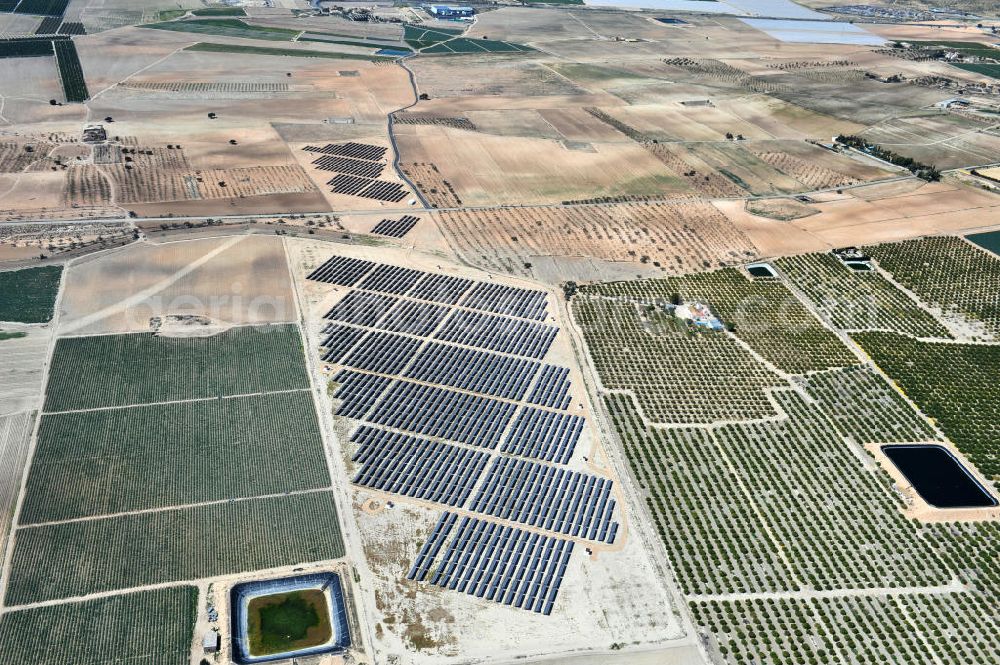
(955, 586)
(181, 506)
(175, 401)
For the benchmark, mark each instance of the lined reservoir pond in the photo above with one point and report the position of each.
(938, 477)
(989, 241)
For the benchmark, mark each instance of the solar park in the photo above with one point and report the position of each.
(456, 409)
(357, 167)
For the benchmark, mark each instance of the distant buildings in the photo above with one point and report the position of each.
(699, 314)
(450, 11)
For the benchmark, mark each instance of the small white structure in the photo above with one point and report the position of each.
(211, 641)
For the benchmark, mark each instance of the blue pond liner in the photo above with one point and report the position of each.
(239, 600)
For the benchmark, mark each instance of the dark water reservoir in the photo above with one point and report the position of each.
(989, 241)
(938, 477)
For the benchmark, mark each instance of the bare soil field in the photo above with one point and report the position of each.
(672, 238)
(237, 280)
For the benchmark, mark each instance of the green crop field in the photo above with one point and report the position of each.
(77, 558)
(74, 83)
(219, 11)
(947, 273)
(116, 370)
(226, 27)
(29, 295)
(956, 384)
(284, 52)
(144, 627)
(466, 45)
(100, 462)
(854, 300)
(986, 69)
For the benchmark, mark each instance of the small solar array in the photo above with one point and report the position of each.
(552, 388)
(500, 563)
(357, 166)
(416, 467)
(395, 228)
(446, 374)
(548, 497)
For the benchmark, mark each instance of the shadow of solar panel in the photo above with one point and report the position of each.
(500, 299)
(499, 333)
(391, 279)
(356, 150)
(474, 370)
(361, 308)
(395, 228)
(440, 288)
(349, 166)
(545, 435)
(342, 270)
(438, 412)
(383, 352)
(338, 341)
(548, 497)
(552, 388)
(358, 392)
(499, 563)
(407, 465)
(414, 318)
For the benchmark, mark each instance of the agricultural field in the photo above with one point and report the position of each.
(68, 559)
(857, 300)
(104, 461)
(953, 383)
(15, 438)
(146, 625)
(949, 274)
(29, 295)
(100, 371)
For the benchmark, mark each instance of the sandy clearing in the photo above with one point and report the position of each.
(238, 280)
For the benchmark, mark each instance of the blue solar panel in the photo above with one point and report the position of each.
(358, 392)
(498, 333)
(338, 340)
(383, 352)
(500, 563)
(552, 388)
(341, 270)
(474, 370)
(407, 465)
(500, 299)
(361, 308)
(443, 413)
(547, 497)
(546, 435)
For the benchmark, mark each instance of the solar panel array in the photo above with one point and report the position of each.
(357, 166)
(499, 333)
(358, 392)
(499, 563)
(415, 467)
(471, 419)
(446, 374)
(548, 497)
(395, 228)
(552, 388)
(545, 435)
(471, 369)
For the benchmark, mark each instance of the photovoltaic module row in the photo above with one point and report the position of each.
(545, 435)
(473, 370)
(361, 308)
(356, 150)
(414, 318)
(498, 333)
(338, 340)
(552, 388)
(446, 289)
(547, 497)
(358, 392)
(433, 411)
(525, 303)
(500, 563)
(349, 166)
(395, 228)
(382, 352)
(419, 468)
